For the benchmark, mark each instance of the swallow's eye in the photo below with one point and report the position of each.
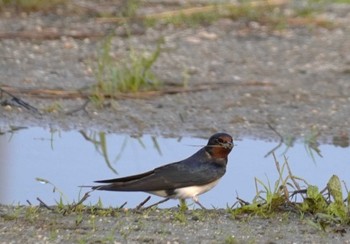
(219, 140)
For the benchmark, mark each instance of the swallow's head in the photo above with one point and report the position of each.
(220, 145)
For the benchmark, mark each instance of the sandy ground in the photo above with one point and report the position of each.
(296, 79)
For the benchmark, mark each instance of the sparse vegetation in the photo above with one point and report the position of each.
(31, 5)
(206, 14)
(53, 108)
(271, 14)
(129, 8)
(327, 207)
(132, 73)
(268, 13)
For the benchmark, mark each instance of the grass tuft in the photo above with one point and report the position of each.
(31, 5)
(328, 206)
(130, 74)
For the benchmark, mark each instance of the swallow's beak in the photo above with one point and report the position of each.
(228, 145)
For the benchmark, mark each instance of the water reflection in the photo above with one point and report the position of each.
(99, 140)
(310, 142)
(70, 159)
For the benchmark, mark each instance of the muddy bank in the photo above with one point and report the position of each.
(158, 226)
(296, 79)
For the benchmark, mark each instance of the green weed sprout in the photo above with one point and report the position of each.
(132, 73)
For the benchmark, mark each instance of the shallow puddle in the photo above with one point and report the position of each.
(71, 159)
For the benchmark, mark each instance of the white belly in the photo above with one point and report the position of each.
(188, 192)
(193, 191)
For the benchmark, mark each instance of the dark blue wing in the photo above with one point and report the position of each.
(198, 169)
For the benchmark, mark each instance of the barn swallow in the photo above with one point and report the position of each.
(188, 178)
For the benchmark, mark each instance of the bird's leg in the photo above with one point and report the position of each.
(157, 203)
(195, 199)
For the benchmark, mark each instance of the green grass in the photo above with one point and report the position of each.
(181, 19)
(327, 207)
(54, 107)
(130, 74)
(272, 16)
(211, 13)
(207, 13)
(269, 199)
(265, 14)
(31, 5)
(129, 8)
